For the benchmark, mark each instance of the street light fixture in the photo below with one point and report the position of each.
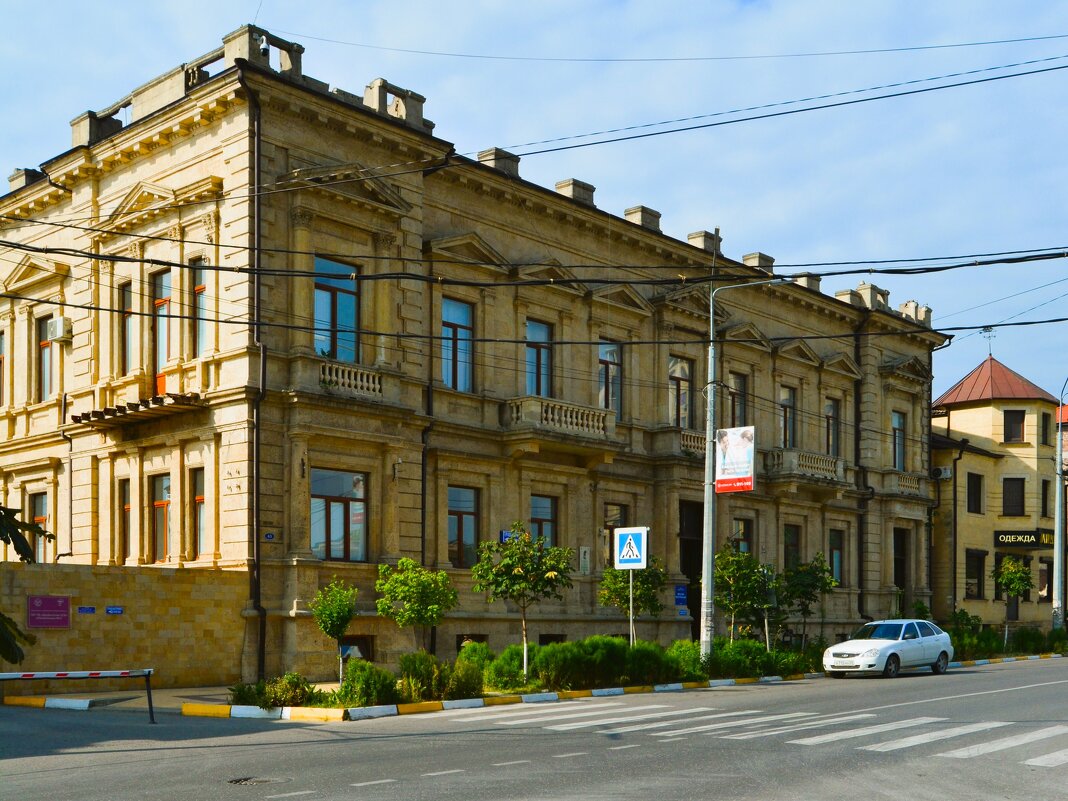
(1058, 521)
(708, 540)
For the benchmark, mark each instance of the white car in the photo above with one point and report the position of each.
(888, 647)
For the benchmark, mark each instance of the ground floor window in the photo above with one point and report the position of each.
(463, 526)
(39, 515)
(742, 534)
(836, 557)
(161, 507)
(339, 515)
(974, 573)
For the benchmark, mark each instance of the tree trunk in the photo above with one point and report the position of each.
(523, 618)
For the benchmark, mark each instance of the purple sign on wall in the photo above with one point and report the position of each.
(48, 611)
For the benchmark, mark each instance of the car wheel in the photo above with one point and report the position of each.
(940, 664)
(892, 666)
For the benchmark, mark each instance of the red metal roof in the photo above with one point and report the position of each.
(992, 380)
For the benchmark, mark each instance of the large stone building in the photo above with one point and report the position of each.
(272, 328)
(994, 450)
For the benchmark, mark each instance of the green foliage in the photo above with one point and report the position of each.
(422, 677)
(964, 622)
(1027, 641)
(1013, 577)
(17, 534)
(735, 659)
(648, 584)
(247, 694)
(686, 655)
(465, 680)
(413, 595)
(649, 663)
(366, 684)
(921, 610)
(739, 585)
(606, 659)
(291, 689)
(1056, 641)
(477, 652)
(806, 584)
(506, 671)
(560, 666)
(334, 607)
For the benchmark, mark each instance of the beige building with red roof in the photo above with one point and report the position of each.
(993, 447)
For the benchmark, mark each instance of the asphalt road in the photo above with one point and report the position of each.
(988, 732)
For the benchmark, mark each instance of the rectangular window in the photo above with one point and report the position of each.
(44, 360)
(200, 308)
(974, 573)
(463, 526)
(901, 557)
(337, 311)
(832, 418)
(791, 546)
(788, 416)
(3, 373)
(610, 376)
(1014, 425)
(161, 302)
(39, 515)
(457, 333)
(1046, 485)
(738, 398)
(975, 493)
(1045, 576)
(742, 534)
(543, 518)
(1047, 429)
(836, 560)
(680, 391)
(615, 515)
(1012, 498)
(123, 545)
(129, 329)
(200, 532)
(339, 515)
(899, 430)
(999, 594)
(539, 364)
(161, 507)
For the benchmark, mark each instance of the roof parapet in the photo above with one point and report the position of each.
(502, 160)
(643, 216)
(577, 190)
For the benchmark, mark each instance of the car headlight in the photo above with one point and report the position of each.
(871, 652)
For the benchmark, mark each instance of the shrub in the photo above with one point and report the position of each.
(606, 660)
(649, 663)
(738, 659)
(1056, 640)
(291, 689)
(477, 652)
(423, 677)
(366, 684)
(1027, 641)
(465, 680)
(785, 663)
(506, 671)
(561, 666)
(247, 694)
(686, 655)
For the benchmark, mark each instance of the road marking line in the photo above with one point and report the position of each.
(651, 715)
(292, 795)
(1005, 742)
(674, 740)
(565, 716)
(811, 724)
(863, 732)
(743, 722)
(445, 772)
(376, 781)
(929, 737)
(967, 695)
(662, 724)
(568, 756)
(533, 715)
(1049, 760)
(514, 762)
(483, 713)
(623, 747)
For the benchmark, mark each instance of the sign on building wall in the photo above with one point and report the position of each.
(1039, 538)
(48, 611)
(734, 459)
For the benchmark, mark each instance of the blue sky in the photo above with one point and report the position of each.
(971, 170)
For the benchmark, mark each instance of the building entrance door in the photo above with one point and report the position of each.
(691, 532)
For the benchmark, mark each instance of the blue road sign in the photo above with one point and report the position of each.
(632, 548)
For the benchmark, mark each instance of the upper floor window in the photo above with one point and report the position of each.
(1047, 429)
(899, 430)
(457, 332)
(3, 364)
(1014, 425)
(200, 308)
(161, 301)
(791, 546)
(463, 526)
(39, 515)
(129, 329)
(161, 508)
(975, 493)
(742, 534)
(44, 360)
(339, 515)
(198, 511)
(680, 391)
(543, 522)
(832, 419)
(609, 376)
(738, 398)
(1046, 484)
(836, 562)
(125, 530)
(788, 416)
(337, 314)
(1012, 497)
(539, 365)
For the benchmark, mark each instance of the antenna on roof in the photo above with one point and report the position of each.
(989, 333)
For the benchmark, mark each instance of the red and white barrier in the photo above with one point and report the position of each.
(61, 703)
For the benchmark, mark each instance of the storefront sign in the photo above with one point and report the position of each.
(48, 611)
(1040, 538)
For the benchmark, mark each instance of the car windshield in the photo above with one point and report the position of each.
(879, 631)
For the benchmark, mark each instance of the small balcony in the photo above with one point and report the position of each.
(558, 417)
(910, 484)
(799, 468)
(350, 379)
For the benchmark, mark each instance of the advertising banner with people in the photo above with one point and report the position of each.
(734, 459)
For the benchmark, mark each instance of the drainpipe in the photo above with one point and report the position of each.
(70, 480)
(255, 577)
(862, 472)
(953, 583)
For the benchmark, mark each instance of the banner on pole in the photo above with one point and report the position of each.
(735, 455)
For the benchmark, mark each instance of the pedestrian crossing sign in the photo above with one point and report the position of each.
(632, 548)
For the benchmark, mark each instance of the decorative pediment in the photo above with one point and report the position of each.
(468, 249)
(353, 183)
(799, 350)
(623, 296)
(554, 273)
(691, 300)
(841, 363)
(32, 272)
(745, 334)
(910, 368)
(148, 201)
(141, 198)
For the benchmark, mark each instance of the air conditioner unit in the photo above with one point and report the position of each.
(942, 473)
(59, 329)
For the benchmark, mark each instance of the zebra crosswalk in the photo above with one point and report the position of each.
(864, 731)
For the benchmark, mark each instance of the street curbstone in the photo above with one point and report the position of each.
(569, 694)
(726, 682)
(464, 703)
(602, 692)
(769, 679)
(256, 712)
(311, 713)
(419, 707)
(539, 698)
(668, 688)
(206, 710)
(68, 703)
(37, 701)
(367, 712)
(502, 700)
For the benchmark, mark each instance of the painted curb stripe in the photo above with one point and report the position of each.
(502, 700)
(667, 688)
(604, 691)
(255, 712)
(26, 700)
(725, 682)
(539, 698)
(415, 709)
(769, 679)
(643, 689)
(67, 703)
(206, 710)
(569, 694)
(464, 703)
(366, 712)
(311, 713)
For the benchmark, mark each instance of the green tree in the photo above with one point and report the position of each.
(15, 533)
(414, 596)
(1013, 577)
(739, 585)
(333, 608)
(649, 582)
(524, 570)
(805, 585)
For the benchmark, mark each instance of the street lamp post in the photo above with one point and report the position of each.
(708, 539)
(1058, 521)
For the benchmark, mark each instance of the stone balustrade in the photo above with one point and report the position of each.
(554, 415)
